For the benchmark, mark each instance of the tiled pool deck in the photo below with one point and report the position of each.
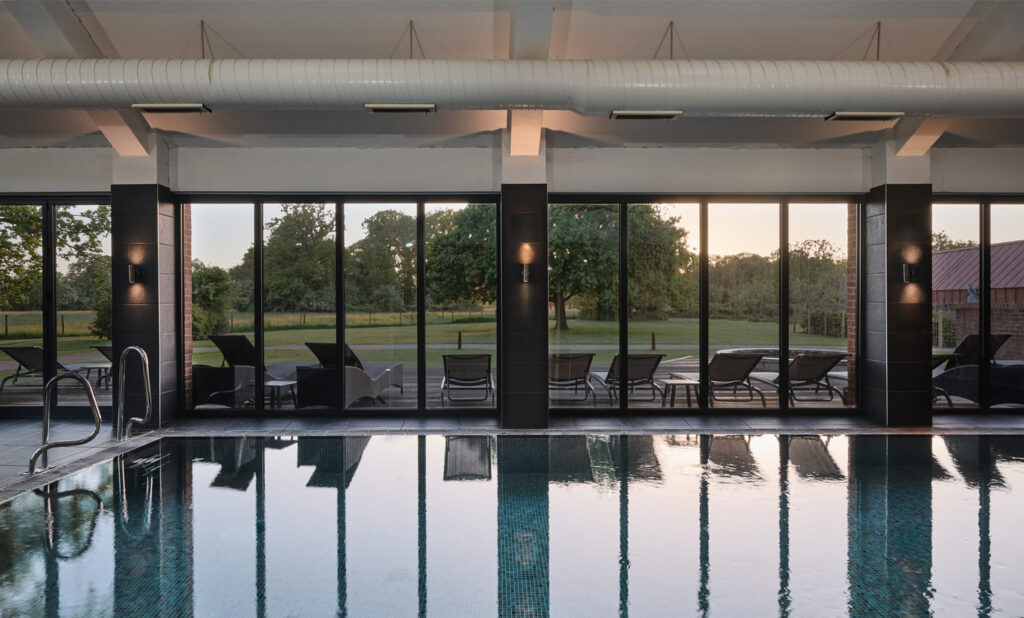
(20, 438)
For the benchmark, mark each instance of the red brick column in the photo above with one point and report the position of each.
(851, 301)
(186, 275)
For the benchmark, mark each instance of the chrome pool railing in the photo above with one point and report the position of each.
(47, 401)
(123, 430)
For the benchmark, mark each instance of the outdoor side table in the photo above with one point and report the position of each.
(670, 387)
(275, 386)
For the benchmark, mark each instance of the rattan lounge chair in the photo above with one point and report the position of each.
(467, 372)
(362, 379)
(809, 372)
(958, 374)
(571, 372)
(641, 373)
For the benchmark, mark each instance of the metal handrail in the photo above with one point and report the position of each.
(125, 431)
(47, 399)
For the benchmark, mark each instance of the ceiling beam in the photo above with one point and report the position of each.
(990, 30)
(71, 30)
(529, 39)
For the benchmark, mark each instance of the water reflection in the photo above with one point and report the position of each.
(599, 525)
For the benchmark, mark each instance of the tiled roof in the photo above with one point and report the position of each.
(954, 269)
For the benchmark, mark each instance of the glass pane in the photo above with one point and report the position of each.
(583, 286)
(380, 305)
(21, 301)
(743, 312)
(219, 279)
(462, 292)
(822, 304)
(299, 313)
(1007, 298)
(84, 301)
(664, 250)
(956, 311)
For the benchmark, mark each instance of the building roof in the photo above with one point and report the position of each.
(954, 269)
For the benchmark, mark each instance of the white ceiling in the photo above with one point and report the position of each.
(472, 29)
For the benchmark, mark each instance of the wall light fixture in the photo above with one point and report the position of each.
(525, 258)
(134, 273)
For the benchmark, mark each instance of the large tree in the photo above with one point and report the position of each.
(79, 233)
(299, 259)
(461, 256)
(583, 253)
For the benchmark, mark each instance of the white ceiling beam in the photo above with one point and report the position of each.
(71, 30)
(529, 39)
(988, 31)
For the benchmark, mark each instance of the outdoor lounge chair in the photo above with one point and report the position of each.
(571, 372)
(809, 372)
(467, 372)
(957, 374)
(31, 364)
(641, 373)
(232, 387)
(732, 370)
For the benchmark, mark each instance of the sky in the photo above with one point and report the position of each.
(221, 233)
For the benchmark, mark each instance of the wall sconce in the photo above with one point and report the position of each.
(525, 258)
(134, 273)
(911, 273)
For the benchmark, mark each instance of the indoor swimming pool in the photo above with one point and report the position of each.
(589, 525)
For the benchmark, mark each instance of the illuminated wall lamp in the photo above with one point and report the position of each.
(525, 258)
(911, 273)
(134, 273)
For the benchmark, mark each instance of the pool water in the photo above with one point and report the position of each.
(398, 525)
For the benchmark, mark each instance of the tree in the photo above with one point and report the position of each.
(299, 259)
(79, 232)
(662, 268)
(211, 294)
(583, 253)
(942, 242)
(461, 257)
(394, 233)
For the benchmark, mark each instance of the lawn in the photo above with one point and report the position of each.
(674, 332)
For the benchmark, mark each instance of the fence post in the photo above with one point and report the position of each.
(62, 323)
(231, 316)
(6, 332)
(460, 339)
(653, 346)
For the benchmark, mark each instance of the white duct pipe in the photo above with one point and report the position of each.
(700, 87)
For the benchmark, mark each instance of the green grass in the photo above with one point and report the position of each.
(18, 325)
(679, 331)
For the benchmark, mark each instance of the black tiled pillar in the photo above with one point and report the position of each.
(524, 306)
(897, 343)
(144, 313)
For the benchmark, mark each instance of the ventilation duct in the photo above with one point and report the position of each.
(702, 88)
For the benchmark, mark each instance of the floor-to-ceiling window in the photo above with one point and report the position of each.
(264, 282)
(461, 269)
(1006, 298)
(55, 300)
(726, 303)
(584, 364)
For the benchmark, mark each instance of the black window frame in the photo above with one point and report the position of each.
(783, 200)
(339, 199)
(48, 203)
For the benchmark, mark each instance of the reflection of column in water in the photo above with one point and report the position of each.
(624, 526)
(261, 529)
(703, 593)
(889, 525)
(784, 594)
(523, 569)
(422, 510)
(987, 468)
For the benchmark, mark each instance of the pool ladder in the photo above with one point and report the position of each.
(121, 430)
(47, 401)
(124, 431)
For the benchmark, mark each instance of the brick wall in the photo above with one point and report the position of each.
(186, 275)
(851, 299)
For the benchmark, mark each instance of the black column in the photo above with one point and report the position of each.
(145, 313)
(523, 318)
(897, 345)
